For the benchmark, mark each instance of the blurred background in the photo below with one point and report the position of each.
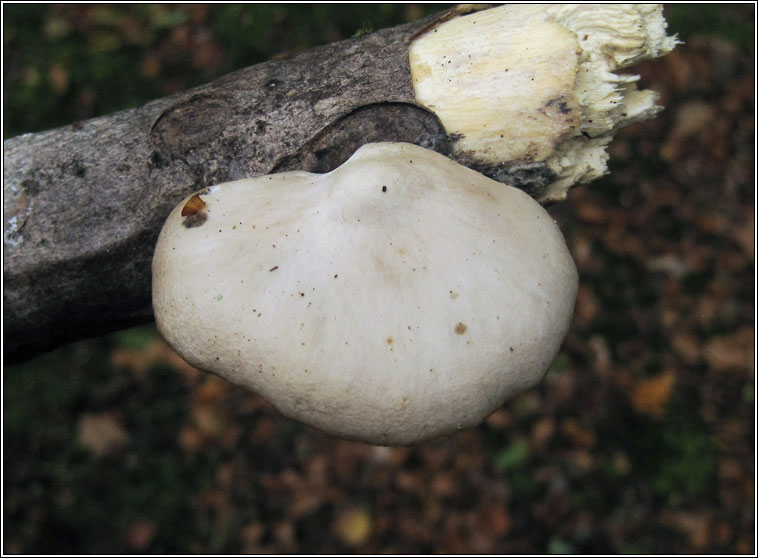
(640, 439)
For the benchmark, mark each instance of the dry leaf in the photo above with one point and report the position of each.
(542, 433)
(102, 433)
(190, 439)
(728, 352)
(591, 213)
(208, 420)
(744, 233)
(687, 347)
(500, 419)
(444, 485)
(494, 519)
(59, 78)
(212, 389)
(694, 524)
(251, 536)
(577, 433)
(651, 394)
(354, 526)
(156, 352)
(140, 534)
(193, 206)
(587, 307)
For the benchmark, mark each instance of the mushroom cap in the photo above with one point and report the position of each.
(396, 299)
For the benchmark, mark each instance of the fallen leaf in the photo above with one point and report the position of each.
(194, 205)
(190, 439)
(621, 464)
(581, 461)
(494, 519)
(500, 419)
(140, 534)
(694, 524)
(212, 389)
(251, 536)
(139, 361)
(580, 435)
(59, 78)
(746, 544)
(591, 213)
(151, 64)
(730, 351)
(102, 433)
(587, 307)
(651, 394)
(208, 420)
(444, 485)
(693, 117)
(264, 428)
(687, 347)
(542, 433)
(744, 233)
(354, 526)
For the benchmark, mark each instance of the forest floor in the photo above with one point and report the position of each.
(641, 438)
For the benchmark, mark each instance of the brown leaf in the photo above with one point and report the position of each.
(194, 205)
(650, 395)
(500, 419)
(693, 117)
(444, 485)
(493, 519)
(581, 461)
(354, 526)
(208, 420)
(212, 390)
(542, 432)
(59, 78)
(744, 233)
(587, 307)
(151, 64)
(140, 534)
(190, 439)
(694, 524)
(304, 503)
(729, 352)
(156, 352)
(102, 433)
(621, 463)
(746, 544)
(578, 434)
(591, 213)
(251, 536)
(687, 347)
(264, 428)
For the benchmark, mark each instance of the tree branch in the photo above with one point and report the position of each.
(84, 203)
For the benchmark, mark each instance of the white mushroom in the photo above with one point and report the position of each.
(398, 298)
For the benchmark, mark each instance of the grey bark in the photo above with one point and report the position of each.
(83, 204)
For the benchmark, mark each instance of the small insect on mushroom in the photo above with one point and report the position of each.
(400, 258)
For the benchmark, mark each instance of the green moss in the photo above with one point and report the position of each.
(513, 456)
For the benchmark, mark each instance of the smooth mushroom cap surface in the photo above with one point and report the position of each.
(396, 299)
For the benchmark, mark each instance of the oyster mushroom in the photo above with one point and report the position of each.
(396, 299)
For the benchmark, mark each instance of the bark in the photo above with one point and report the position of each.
(84, 203)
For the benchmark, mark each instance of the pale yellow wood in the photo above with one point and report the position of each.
(537, 83)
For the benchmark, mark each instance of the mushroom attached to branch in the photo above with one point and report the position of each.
(398, 298)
